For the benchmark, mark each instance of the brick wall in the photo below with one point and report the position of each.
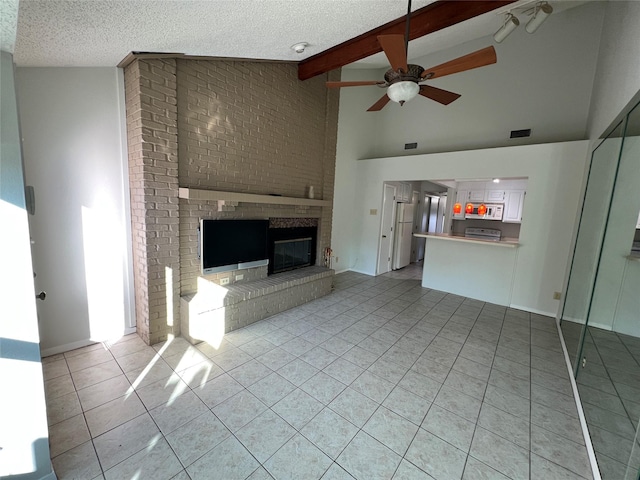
(252, 128)
(150, 90)
(222, 125)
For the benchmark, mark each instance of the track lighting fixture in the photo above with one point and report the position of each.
(510, 24)
(540, 14)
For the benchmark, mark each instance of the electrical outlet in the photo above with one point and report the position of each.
(373, 211)
(556, 295)
(224, 281)
(240, 276)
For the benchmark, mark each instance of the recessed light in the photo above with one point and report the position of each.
(496, 180)
(299, 47)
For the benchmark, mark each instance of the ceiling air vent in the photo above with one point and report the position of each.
(410, 146)
(520, 133)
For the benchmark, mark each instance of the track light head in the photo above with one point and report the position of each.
(510, 24)
(540, 15)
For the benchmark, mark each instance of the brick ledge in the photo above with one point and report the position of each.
(241, 292)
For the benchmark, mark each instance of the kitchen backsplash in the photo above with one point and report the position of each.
(510, 230)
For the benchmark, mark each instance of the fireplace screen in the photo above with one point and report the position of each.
(291, 254)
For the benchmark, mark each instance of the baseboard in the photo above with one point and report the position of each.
(360, 271)
(583, 421)
(67, 347)
(533, 310)
(341, 271)
(601, 326)
(50, 476)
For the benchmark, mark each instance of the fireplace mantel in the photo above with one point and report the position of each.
(216, 195)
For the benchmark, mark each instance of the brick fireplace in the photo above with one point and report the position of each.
(229, 126)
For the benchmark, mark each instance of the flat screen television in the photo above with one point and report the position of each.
(232, 244)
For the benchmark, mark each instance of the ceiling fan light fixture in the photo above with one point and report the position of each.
(404, 91)
(510, 24)
(540, 15)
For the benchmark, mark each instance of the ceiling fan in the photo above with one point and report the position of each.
(404, 81)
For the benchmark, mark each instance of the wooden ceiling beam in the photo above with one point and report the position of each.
(435, 16)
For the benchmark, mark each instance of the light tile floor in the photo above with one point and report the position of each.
(380, 379)
(609, 386)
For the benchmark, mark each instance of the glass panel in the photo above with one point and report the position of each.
(595, 210)
(290, 254)
(614, 321)
(604, 295)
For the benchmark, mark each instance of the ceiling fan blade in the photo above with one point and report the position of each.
(353, 84)
(379, 104)
(395, 50)
(441, 96)
(483, 57)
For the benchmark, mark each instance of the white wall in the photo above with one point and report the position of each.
(75, 156)
(23, 432)
(355, 140)
(617, 78)
(541, 81)
(555, 177)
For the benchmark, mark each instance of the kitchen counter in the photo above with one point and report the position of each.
(470, 267)
(504, 242)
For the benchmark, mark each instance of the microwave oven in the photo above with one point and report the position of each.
(494, 211)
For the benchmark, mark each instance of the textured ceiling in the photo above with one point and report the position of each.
(103, 32)
(8, 23)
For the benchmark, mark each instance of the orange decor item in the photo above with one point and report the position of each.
(457, 208)
(468, 208)
(482, 209)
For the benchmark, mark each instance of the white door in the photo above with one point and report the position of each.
(81, 225)
(385, 248)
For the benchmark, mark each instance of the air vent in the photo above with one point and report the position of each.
(520, 133)
(410, 146)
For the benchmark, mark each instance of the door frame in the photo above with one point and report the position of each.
(389, 192)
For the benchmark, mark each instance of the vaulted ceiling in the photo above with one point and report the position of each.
(103, 32)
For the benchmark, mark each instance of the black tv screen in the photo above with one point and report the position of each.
(226, 243)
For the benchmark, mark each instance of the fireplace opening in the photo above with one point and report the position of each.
(291, 254)
(291, 248)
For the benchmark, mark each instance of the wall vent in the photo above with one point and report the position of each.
(520, 133)
(410, 146)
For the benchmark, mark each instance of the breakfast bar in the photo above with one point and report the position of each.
(475, 268)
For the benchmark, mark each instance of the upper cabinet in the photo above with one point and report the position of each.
(514, 202)
(480, 195)
(510, 192)
(403, 192)
(494, 196)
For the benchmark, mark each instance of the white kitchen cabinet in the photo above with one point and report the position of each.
(404, 193)
(462, 197)
(514, 202)
(494, 196)
(476, 196)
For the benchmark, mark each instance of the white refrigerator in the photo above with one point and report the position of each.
(403, 235)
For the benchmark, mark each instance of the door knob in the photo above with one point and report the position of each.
(384, 236)
(42, 295)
